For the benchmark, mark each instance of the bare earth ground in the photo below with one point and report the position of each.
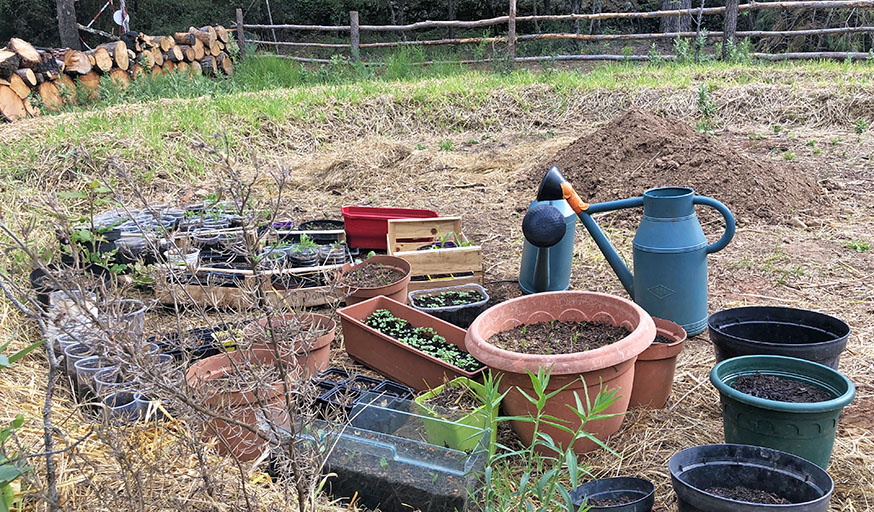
(801, 264)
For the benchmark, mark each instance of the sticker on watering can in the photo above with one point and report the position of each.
(661, 291)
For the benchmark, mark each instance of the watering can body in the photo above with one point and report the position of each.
(559, 257)
(669, 252)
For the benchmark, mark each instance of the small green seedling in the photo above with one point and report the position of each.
(858, 245)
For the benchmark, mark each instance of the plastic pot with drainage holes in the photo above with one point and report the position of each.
(699, 473)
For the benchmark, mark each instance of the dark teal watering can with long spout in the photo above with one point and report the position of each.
(669, 248)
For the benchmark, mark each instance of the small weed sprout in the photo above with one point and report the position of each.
(858, 245)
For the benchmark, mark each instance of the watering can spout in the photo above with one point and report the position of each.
(554, 186)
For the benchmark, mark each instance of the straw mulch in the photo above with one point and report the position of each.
(802, 264)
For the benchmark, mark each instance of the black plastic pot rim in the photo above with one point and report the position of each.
(719, 381)
(769, 344)
(621, 486)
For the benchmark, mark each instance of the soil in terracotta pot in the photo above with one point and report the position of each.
(780, 389)
(612, 502)
(741, 493)
(456, 398)
(662, 339)
(558, 337)
(448, 299)
(371, 275)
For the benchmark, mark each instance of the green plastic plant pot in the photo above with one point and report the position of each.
(459, 433)
(803, 429)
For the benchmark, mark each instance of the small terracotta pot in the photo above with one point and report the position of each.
(396, 291)
(243, 444)
(612, 365)
(654, 369)
(314, 359)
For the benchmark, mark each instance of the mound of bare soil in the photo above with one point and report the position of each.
(640, 150)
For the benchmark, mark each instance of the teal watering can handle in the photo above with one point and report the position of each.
(729, 222)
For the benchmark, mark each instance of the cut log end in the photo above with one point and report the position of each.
(11, 105)
(16, 83)
(29, 56)
(51, 96)
(120, 78)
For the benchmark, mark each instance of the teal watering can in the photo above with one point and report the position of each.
(669, 248)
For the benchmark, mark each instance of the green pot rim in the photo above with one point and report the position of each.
(781, 366)
(460, 381)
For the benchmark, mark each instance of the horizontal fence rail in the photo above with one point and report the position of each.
(355, 45)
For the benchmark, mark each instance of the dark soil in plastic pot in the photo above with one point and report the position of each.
(448, 299)
(741, 493)
(612, 502)
(455, 398)
(371, 276)
(558, 337)
(771, 387)
(662, 339)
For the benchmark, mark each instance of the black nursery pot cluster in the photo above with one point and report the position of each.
(351, 394)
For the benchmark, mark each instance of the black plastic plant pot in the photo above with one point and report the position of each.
(43, 285)
(322, 225)
(777, 331)
(303, 258)
(700, 474)
(623, 494)
(396, 389)
(462, 315)
(333, 254)
(342, 398)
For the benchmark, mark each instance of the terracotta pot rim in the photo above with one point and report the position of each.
(578, 362)
(232, 398)
(324, 321)
(388, 261)
(658, 351)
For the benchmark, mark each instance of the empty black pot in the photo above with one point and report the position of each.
(639, 494)
(695, 470)
(765, 330)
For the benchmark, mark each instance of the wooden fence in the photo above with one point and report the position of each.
(729, 11)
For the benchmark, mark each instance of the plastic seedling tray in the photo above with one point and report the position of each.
(396, 471)
(363, 382)
(335, 375)
(392, 388)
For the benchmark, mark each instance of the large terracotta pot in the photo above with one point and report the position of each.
(313, 358)
(654, 369)
(242, 406)
(612, 365)
(396, 290)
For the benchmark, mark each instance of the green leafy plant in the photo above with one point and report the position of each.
(861, 125)
(546, 480)
(858, 245)
(446, 145)
(707, 108)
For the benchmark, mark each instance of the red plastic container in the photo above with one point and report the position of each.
(367, 227)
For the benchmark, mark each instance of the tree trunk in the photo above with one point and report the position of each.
(595, 25)
(450, 4)
(682, 23)
(67, 28)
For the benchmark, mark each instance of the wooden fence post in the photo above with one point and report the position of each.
(511, 33)
(354, 36)
(730, 26)
(241, 35)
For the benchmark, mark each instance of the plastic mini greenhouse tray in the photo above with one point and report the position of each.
(392, 465)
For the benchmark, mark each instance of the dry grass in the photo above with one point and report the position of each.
(806, 267)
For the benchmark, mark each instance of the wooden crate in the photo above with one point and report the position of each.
(443, 267)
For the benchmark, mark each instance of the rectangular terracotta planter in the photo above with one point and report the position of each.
(394, 359)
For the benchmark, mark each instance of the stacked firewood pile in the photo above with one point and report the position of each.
(57, 76)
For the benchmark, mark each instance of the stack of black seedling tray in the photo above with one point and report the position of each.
(350, 394)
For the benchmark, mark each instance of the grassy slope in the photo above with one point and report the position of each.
(270, 98)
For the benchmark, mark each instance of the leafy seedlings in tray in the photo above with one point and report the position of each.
(422, 338)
